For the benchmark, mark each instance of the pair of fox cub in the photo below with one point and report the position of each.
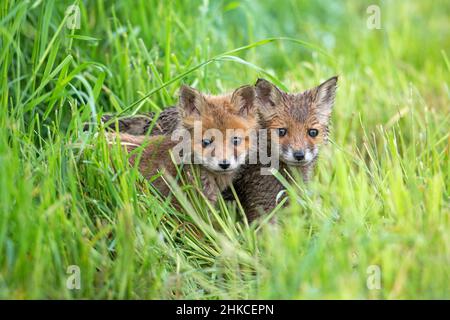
(299, 120)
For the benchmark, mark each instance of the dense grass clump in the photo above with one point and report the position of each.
(379, 201)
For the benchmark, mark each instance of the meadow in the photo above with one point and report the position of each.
(373, 223)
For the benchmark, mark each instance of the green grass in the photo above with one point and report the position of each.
(380, 195)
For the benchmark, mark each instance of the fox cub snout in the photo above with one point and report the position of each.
(219, 127)
(299, 120)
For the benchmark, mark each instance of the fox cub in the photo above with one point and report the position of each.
(218, 148)
(301, 122)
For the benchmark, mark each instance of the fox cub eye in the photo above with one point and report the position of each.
(206, 142)
(236, 141)
(282, 132)
(313, 132)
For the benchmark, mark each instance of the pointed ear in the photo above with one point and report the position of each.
(268, 94)
(190, 101)
(324, 99)
(244, 100)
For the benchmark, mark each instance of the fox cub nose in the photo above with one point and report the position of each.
(299, 155)
(224, 164)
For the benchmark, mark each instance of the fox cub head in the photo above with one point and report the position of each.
(300, 120)
(220, 127)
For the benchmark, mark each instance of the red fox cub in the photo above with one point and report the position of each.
(218, 130)
(300, 121)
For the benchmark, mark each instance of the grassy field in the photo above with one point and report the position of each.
(377, 209)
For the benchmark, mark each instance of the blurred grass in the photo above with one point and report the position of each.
(380, 195)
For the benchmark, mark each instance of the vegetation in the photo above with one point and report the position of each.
(380, 196)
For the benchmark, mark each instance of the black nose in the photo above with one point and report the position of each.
(299, 155)
(224, 164)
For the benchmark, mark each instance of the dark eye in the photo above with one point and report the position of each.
(236, 141)
(206, 142)
(282, 132)
(313, 133)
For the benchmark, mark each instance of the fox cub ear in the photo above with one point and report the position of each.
(244, 100)
(190, 101)
(324, 99)
(268, 94)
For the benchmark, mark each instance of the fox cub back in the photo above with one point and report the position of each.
(300, 120)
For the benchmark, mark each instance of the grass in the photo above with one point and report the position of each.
(380, 196)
